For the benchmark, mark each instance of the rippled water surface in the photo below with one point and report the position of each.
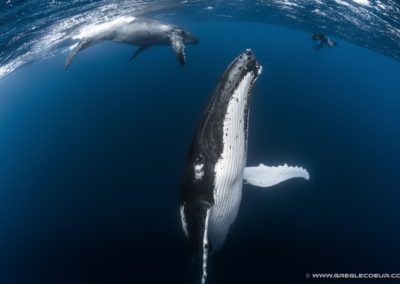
(30, 30)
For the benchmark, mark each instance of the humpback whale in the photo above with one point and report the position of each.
(141, 32)
(323, 39)
(215, 169)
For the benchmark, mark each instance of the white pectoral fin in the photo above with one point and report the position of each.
(179, 47)
(264, 176)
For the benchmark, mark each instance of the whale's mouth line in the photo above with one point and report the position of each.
(254, 72)
(253, 78)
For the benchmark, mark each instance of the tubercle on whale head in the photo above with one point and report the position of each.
(249, 61)
(244, 65)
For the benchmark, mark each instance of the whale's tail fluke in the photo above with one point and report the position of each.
(81, 45)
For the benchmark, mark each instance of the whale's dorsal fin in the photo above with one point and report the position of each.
(178, 46)
(264, 176)
(85, 43)
(138, 51)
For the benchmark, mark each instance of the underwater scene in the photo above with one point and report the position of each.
(199, 141)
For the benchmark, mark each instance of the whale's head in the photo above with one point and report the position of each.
(237, 80)
(188, 38)
(242, 67)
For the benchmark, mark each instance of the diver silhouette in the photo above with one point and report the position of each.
(323, 39)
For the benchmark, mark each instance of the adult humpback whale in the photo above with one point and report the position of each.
(142, 32)
(216, 165)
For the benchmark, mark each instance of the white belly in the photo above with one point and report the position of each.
(230, 166)
(223, 214)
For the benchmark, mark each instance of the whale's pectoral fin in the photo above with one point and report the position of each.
(138, 51)
(85, 43)
(181, 57)
(264, 176)
(179, 47)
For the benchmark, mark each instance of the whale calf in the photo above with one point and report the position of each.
(141, 32)
(215, 169)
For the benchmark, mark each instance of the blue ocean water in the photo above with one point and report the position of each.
(91, 160)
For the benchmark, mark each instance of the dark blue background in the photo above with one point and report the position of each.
(91, 162)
